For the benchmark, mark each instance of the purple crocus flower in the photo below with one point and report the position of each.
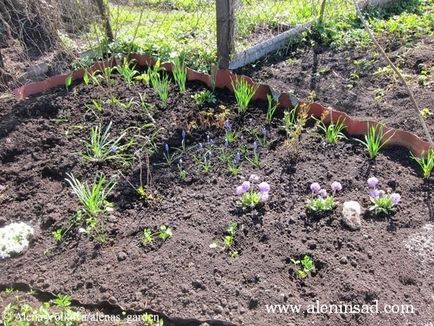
(240, 190)
(322, 193)
(264, 187)
(372, 182)
(374, 193)
(395, 198)
(336, 186)
(315, 187)
(246, 186)
(166, 148)
(264, 196)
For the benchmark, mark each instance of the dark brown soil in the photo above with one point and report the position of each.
(350, 80)
(42, 140)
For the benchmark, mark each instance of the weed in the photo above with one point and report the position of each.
(164, 232)
(271, 109)
(228, 240)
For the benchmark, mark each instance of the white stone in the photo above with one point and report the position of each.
(14, 239)
(351, 215)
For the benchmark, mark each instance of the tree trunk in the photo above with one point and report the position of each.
(106, 19)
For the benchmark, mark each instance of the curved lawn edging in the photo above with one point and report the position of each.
(224, 79)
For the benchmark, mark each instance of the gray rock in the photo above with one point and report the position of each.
(351, 213)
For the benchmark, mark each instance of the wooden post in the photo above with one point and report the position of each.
(106, 19)
(225, 32)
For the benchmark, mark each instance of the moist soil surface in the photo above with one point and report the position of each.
(42, 140)
(357, 81)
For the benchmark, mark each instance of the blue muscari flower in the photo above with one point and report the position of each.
(183, 134)
(113, 149)
(255, 147)
(237, 158)
(264, 131)
(200, 147)
(180, 162)
(228, 125)
(226, 143)
(166, 148)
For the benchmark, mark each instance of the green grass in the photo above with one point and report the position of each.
(169, 28)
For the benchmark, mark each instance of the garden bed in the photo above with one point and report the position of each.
(42, 141)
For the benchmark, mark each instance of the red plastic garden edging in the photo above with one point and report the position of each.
(223, 79)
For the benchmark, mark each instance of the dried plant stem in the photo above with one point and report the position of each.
(386, 57)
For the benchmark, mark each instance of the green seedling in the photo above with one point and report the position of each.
(305, 266)
(228, 240)
(333, 132)
(180, 74)
(102, 147)
(271, 109)
(204, 97)
(426, 162)
(163, 233)
(127, 71)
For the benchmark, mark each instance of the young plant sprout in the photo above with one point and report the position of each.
(426, 162)
(253, 194)
(256, 159)
(382, 202)
(126, 71)
(230, 134)
(333, 132)
(235, 164)
(375, 139)
(225, 155)
(182, 172)
(244, 93)
(93, 198)
(180, 74)
(170, 158)
(289, 122)
(164, 232)
(271, 110)
(102, 147)
(228, 240)
(321, 202)
(204, 97)
(305, 266)
(160, 83)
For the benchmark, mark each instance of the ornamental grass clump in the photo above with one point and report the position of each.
(253, 193)
(321, 201)
(244, 93)
(382, 202)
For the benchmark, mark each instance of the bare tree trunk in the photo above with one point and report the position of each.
(106, 19)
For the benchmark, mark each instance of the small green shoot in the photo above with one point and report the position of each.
(228, 240)
(127, 71)
(271, 110)
(426, 162)
(375, 139)
(305, 266)
(180, 74)
(244, 93)
(204, 97)
(164, 232)
(333, 132)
